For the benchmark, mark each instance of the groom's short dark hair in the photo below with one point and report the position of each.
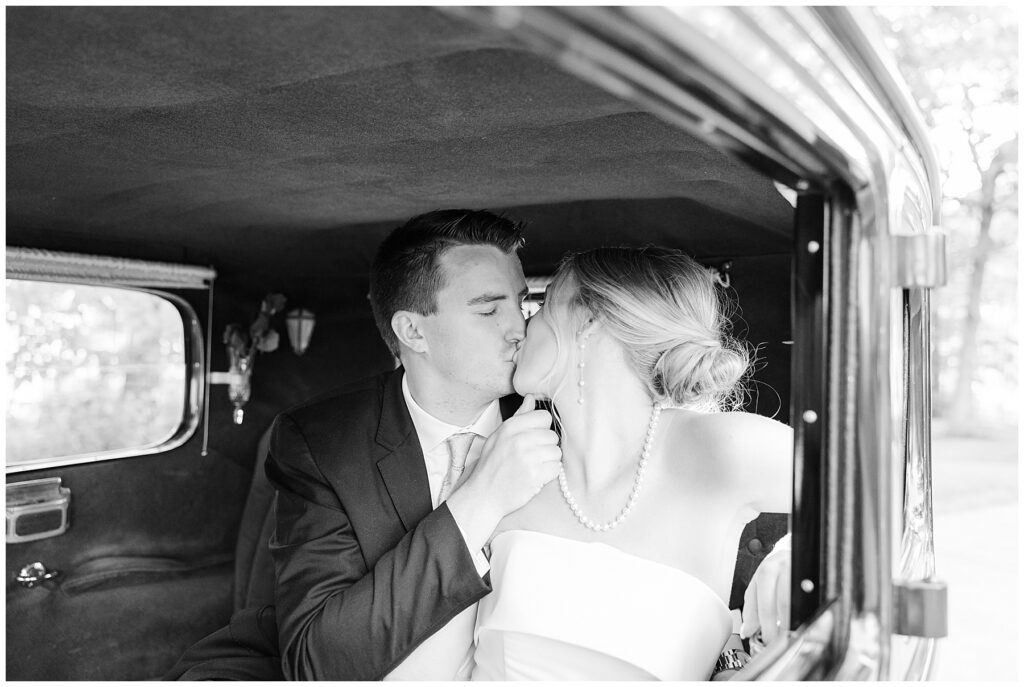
(406, 272)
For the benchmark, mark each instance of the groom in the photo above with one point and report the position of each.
(379, 542)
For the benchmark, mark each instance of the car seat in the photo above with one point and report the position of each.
(247, 648)
(254, 566)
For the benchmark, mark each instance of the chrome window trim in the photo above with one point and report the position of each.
(866, 50)
(195, 372)
(916, 544)
(78, 268)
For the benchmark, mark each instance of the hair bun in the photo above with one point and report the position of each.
(702, 372)
(671, 318)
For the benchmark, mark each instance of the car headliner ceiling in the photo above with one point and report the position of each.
(284, 140)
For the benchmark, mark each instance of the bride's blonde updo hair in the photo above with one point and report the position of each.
(670, 315)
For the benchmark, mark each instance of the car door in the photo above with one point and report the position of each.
(120, 526)
(121, 548)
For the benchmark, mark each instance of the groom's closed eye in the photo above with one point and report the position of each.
(487, 299)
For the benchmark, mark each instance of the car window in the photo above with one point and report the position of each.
(535, 298)
(90, 370)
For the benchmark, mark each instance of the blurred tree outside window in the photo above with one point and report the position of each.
(90, 369)
(961, 64)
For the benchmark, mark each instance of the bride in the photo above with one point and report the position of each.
(621, 568)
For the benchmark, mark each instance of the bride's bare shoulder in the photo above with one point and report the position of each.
(729, 433)
(748, 455)
(726, 423)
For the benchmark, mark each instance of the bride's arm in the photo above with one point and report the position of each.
(759, 455)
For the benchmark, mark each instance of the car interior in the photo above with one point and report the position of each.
(277, 147)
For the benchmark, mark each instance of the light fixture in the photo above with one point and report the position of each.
(300, 324)
(242, 347)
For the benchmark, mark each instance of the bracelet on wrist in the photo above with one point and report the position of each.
(730, 659)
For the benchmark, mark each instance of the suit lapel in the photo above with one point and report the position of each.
(401, 466)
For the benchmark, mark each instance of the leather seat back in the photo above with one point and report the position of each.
(254, 566)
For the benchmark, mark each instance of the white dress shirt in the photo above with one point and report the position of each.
(433, 434)
(447, 654)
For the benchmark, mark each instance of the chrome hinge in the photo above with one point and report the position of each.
(919, 260)
(920, 608)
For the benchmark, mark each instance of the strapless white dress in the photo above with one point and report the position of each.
(568, 610)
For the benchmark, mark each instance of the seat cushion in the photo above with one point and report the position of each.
(244, 650)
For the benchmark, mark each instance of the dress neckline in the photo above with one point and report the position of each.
(620, 552)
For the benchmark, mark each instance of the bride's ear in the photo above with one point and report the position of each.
(588, 327)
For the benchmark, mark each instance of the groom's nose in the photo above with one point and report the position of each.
(516, 328)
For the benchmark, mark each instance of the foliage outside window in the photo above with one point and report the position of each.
(90, 370)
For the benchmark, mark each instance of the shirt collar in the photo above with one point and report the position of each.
(432, 431)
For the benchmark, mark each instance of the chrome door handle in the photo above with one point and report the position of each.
(35, 573)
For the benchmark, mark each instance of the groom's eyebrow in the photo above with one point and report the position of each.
(486, 298)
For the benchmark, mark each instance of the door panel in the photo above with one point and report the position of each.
(145, 568)
(129, 628)
(145, 564)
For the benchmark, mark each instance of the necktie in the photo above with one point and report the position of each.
(458, 449)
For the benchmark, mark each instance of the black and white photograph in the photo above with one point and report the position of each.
(539, 343)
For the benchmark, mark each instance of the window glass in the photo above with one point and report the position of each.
(90, 369)
(531, 304)
(535, 299)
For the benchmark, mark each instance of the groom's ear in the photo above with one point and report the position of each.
(407, 326)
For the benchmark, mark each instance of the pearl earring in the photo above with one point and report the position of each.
(580, 384)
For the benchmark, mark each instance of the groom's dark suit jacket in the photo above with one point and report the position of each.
(365, 569)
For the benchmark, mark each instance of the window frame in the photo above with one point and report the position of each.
(195, 384)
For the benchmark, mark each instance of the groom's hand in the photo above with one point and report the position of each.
(516, 462)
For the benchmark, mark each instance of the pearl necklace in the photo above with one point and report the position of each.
(637, 482)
